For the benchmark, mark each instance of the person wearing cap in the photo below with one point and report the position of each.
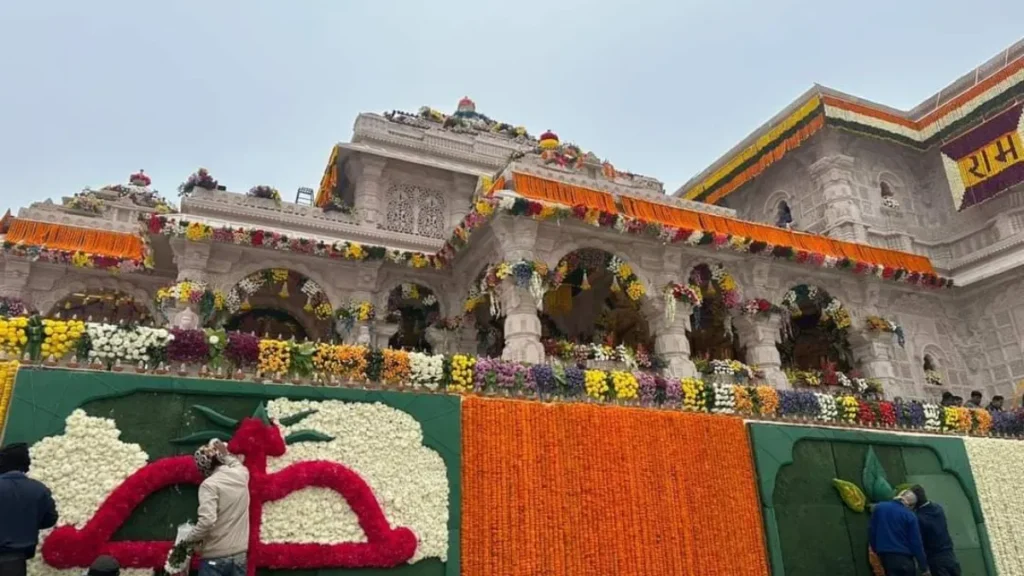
(104, 566)
(222, 531)
(935, 534)
(26, 507)
(895, 536)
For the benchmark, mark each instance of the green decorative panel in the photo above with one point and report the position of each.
(810, 532)
(152, 410)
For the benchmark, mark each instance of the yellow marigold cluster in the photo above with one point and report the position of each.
(848, 408)
(768, 399)
(8, 372)
(596, 383)
(693, 394)
(323, 310)
(197, 231)
(984, 419)
(484, 208)
(635, 291)
(81, 260)
(958, 418)
(279, 274)
(343, 360)
(625, 385)
(275, 356)
(60, 336)
(744, 404)
(462, 373)
(12, 334)
(396, 366)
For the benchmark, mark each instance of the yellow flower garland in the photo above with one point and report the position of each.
(275, 357)
(596, 384)
(61, 336)
(462, 373)
(625, 384)
(12, 335)
(8, 373)
(693, 394)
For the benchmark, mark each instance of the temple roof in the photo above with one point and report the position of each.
(991, 87)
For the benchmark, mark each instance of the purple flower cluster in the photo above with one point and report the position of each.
(798, 403)
(188, 346)
(485, 373)
(648, 388)
(673, 390)
(573, 381)
(1011, 422)
(242, 349)
(543, 377)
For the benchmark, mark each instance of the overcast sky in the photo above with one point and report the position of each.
(258, 91)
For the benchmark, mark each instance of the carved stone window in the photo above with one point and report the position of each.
(431, 218)
(416, 210)
(888, 197)
(401, 215)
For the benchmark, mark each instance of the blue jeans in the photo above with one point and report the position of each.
(230, 566)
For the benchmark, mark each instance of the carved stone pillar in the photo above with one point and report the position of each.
(439, 340)
(832, 177)
(873, 351)
(369, 200)
(522, 324)
(382, 332)
(360, 332)
(670, 341)
(467, 340)
(759, 335)
(15, 281)
(191, 258)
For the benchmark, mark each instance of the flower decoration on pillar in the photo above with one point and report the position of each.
(759, 307)
(354, 311)
(879, 324)
(529, 274)
(193, 292)
(675, 292)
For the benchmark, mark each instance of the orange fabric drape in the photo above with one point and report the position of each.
(577, 489)
(566, 194)
(680, 218)
(74, 239)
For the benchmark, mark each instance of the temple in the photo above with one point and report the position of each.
(843, 244)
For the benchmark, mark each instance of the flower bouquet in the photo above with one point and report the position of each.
(265, 192)
(199, 179)
(180, 556)
(86, 202)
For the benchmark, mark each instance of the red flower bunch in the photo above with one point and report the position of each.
(865, 414)
(242, 349)
(887, 413)
(802, 256)
(718, 239)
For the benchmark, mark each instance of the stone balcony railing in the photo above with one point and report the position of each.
(480, 148)
(115, 218)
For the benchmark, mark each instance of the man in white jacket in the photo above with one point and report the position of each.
(222, 531)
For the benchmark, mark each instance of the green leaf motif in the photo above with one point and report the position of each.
(307, 436)
(261, 413)
(296, 418)
(850, 494)
(875, 484)
(203, 437)
(215, 417)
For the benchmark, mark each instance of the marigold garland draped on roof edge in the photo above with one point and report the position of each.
(75, 239)
(643, 498)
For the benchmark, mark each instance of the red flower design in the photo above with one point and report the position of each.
(69, 547)
(257, 238)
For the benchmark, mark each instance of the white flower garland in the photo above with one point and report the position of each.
(725, 399)
(111, 342)
(828, 410)
(426, 370)
(81, 468)
(932, 420)
(385, 447)
(998, 466)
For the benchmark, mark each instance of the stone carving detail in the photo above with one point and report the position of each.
(401, 201)
(431, 218)
(416, 210)
(759, 335)
(522, 325)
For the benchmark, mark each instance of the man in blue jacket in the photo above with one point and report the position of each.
(935, 534)
(26, 507)
(896, 537)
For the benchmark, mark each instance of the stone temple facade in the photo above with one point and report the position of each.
(883, 225)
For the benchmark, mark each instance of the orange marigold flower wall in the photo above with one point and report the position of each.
(578, 489)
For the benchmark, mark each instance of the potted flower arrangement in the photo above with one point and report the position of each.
(86, 201)
(198, 179)
(265, 192)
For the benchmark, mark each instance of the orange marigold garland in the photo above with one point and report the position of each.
(396, 366)
(644, 499)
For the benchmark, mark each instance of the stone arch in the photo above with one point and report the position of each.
(771, 205)
(932, 354)
(292, 300)
(710, 325)
(555, 257)
(389, 285)
(237, 273)
(812, 332)
(45, 302)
